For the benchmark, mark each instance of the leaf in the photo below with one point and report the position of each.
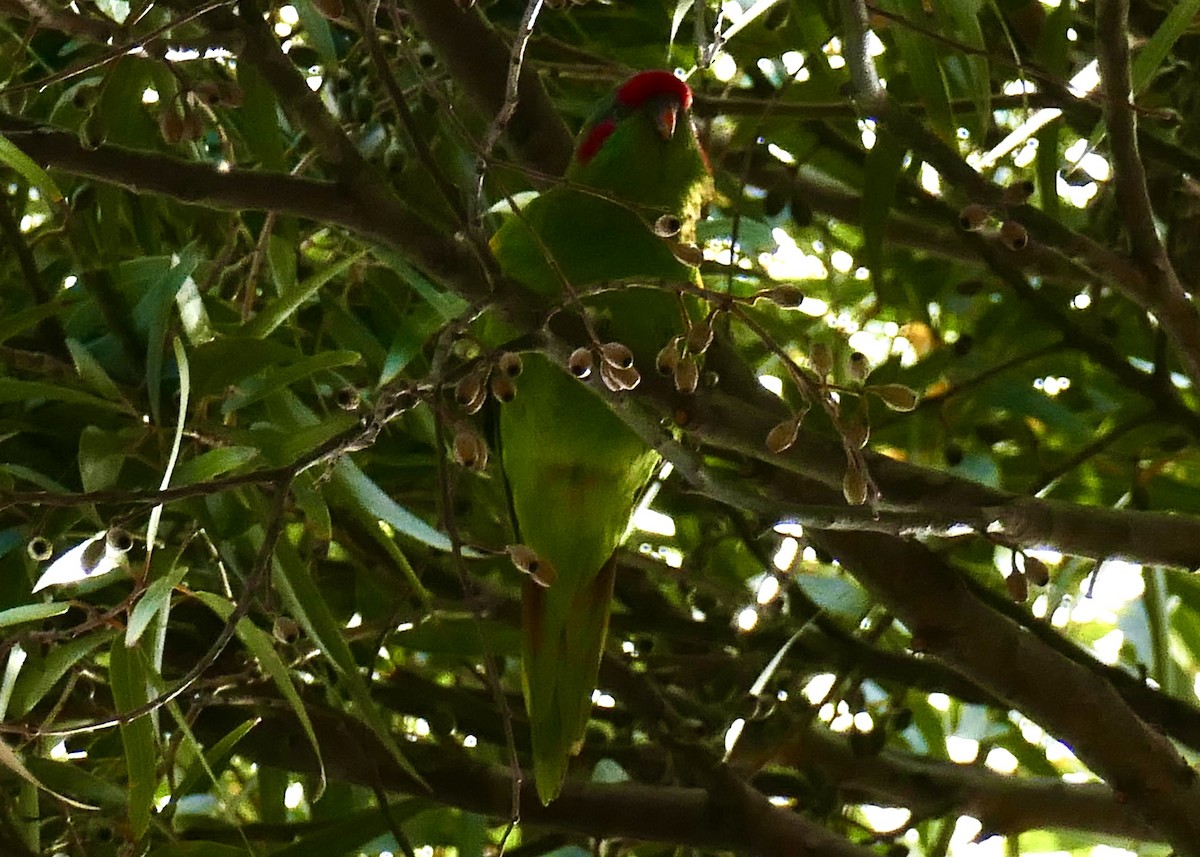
(262, 386)
(19, 322)
(291, 298)
(24, 166)
(349, 834)
(215, 462)
(15, 390)
(260, 644)
(160, 298)
(885, 162)
(127, 676)
(102, 454)
(36, 682)
(31, 613)
(308, 607)
(92, 372)
(1155, 51)
(318, 33)
(214, 760)
(10, 760)
(152, 600)
(350, 484)
(448, 304)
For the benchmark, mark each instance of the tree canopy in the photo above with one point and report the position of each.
(915, 577)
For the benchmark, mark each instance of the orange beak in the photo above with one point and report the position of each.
(665, 120)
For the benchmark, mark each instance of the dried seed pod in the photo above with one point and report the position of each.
(329, 8)
(973, 217)
(1036, 570)
(503, 387)
(285, 629)
(667, 226)
(668, 358)
(854, 485)
(39, 549)
(821, 358)
(208, 92)
(170, 126)
(859, 367)
(857, 434)
(471, 391)
(700, 336)
(617, 355)
(1013, 235)
(896, 396)
(580, 362)
(689, 254)
(687, 375)
(470, 450)
(193, 125)
(118, 540)
(510, 363)
(528, 562)
(395, 402)
(784, 297)
(348, 398)
(619, 380)
(1018, 192)
(782, 436)
(1018, 587)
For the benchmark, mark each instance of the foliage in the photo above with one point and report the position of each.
(242, 243)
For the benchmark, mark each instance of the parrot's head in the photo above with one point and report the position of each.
(641, 146)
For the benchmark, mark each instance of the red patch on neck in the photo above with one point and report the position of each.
(594, 140)
(647, 84)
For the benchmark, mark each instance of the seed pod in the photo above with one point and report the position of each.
(285, 629)
(782, 436)
(896, 396)
(329, 8)
(821, 359)
(687, 375)
(700, 336)
(471, 391)
(470, 450)
(92, 131)
(580, 362)
(857, 434)
(617, 355)
(348, 398)
(973, 217)
(668, 358)
(784, 297)
(118, 540)
(208, 92)
(510, 364)
(1013, 235)
(170, 126)
(1018, 587)
(689, 254)
(39, 549)
(528, 562)
(667, 226)
(395, 402)
(619, 380)
(859, 367)
(1036, 571)
(854, 485)
(503, 387)
(1018, 192)
(193, 125)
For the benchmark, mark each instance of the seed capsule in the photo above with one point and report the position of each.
(973, 217)
(668, 358)
(1036, 571)
(859, 367)
(348, 398)
(118, 540)
(784, 297)
(471, 391)
(782, 436)
(39, 549)
(1018, 587)
(470, 450)
(1013, 235)
(687, 375)
(700, 336)
(503, 387)
(617, 355)
(896, 396)
(821, 359)
(619, 380)
(510, 364)
(528, 562)
(170, 126)
(854, 485)
(857, 434)
(580, 362)
(667, 226)
(689, 254)
(1018, 192)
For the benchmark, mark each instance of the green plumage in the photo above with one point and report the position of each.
(574, 469)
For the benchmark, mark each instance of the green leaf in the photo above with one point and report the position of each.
(102, 454)
(14, 390)
(215, 759)
(215, 462)
(274, 379)
(31, 613)
(19, 322)
(92, 372)
(152, 600)
(307, 606)
(260, 644)
(294, 295)
(885, 162)
(1155, 51)
(448, 304)
(349, 834)
(350, 484)
(43, 675)
(127, 675)
(318, 33)
(23, 165)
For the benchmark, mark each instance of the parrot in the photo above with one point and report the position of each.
(574, 470)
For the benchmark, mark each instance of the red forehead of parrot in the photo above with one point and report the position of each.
(662, 91)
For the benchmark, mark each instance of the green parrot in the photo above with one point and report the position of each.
(574, 469)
